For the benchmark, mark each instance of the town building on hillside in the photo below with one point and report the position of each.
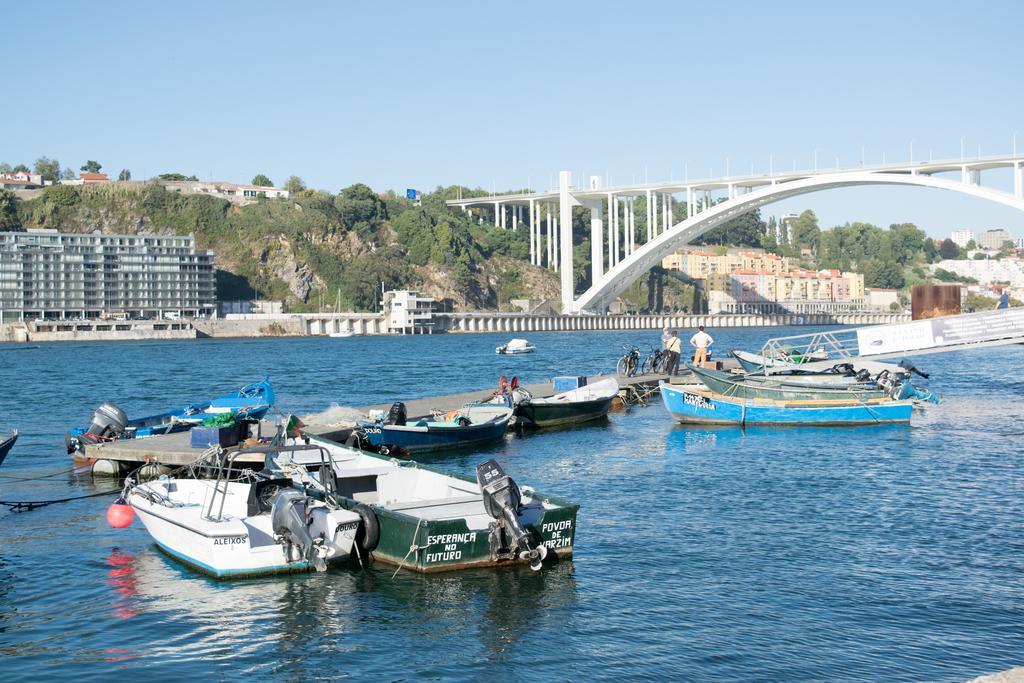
(406, 312)
(239, 194)
(701, 264)
(986, 271)
(879, 298)
(45, 274)
(796, 291)
(962, 237)
(91, 178)
(20, 180)
(994, 239)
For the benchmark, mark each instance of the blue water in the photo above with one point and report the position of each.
(841, 554)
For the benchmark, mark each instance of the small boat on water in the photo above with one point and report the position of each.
(111, 423)
(515, 347)
(702, 406)
(473, 424)
(747, 386)
(586, 403)
(752, 362)
(233, 529)
(428, 521)
(7, 443)
(343, 334)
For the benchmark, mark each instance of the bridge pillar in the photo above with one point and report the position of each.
(649, 221)
(596, 241)
(1018, 180)
(565, 245)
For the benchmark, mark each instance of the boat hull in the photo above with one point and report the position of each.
(723, 383)
(235, 548)
(6, 444)
(553, 414)
(691, 406)
(421, 439)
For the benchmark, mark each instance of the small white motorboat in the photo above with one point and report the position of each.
(244, 528)
(516, 347)
(342, 334)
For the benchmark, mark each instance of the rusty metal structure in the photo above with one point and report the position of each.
(934, 301)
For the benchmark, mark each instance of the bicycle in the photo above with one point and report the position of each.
(629, 362)
(654, 363)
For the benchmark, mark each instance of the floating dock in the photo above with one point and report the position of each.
(175, 450)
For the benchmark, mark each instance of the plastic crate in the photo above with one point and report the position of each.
(562, 384)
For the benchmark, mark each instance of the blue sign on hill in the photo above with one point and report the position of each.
(411, 194)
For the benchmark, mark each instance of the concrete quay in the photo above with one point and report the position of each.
(369, 324)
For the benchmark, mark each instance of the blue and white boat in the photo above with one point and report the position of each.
(474, 424)
(111, 423)
(701, 406)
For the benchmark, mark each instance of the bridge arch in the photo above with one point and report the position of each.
(618, 279)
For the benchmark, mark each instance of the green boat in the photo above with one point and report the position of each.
(735, 386)
(589, 402)
(426, 520)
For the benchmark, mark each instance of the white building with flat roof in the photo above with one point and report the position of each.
(406, 312)
(994, 239)
(962, 237)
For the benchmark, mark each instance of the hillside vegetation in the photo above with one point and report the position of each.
(317, 250)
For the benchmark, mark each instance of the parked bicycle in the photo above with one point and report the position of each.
(630, 361)
(655, 362)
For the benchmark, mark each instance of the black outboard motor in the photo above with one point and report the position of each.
(911, 368)
(290, 518)
(502, 500)
(397, 414)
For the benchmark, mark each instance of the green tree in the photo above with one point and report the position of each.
(49, 169)
(68, 174)
(261, 180)
(360, 209)
(806, 232)
(948, 249)
(885, 274)
(462, 277)
(91, 166)
(8, 212)
(294, 184)
(747, 230)
(971, 245)
(930, 250)
(5, 167)
(176, 176)
(20, 168)
(124, 175)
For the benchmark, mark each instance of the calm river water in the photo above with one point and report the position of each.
(854, 554)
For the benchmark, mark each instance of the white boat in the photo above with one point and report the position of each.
(516, 347)
(342, 334)
(234, 529)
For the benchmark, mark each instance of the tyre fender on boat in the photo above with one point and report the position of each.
(368, 534)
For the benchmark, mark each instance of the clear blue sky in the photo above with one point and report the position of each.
(486, 94)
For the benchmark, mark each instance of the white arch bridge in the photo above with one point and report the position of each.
(618, 258)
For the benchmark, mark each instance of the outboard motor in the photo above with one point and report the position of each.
(290, 518)
(502, 500)
(397, 415)
(912, 369)
(108, 422)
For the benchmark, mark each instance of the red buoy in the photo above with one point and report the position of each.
(120, 514)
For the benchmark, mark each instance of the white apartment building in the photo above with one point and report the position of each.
(962, 237)
(406, 312)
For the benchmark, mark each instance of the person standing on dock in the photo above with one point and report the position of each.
(672, 349)
(666, 336)
(701, 342)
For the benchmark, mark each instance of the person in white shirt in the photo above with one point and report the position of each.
(701, 342)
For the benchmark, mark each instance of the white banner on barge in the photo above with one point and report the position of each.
(949, 332)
